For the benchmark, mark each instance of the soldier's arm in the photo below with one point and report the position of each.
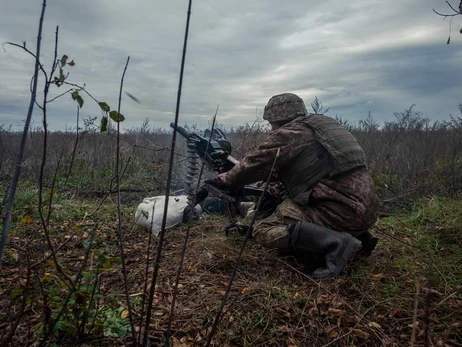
(256, 166)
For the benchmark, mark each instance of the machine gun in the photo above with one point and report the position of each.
(217, 158)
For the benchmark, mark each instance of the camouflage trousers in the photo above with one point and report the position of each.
(346, 204)
(271, 232)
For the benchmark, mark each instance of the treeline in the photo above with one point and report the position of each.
(409, 156)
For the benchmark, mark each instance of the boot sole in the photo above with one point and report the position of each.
(348, 254)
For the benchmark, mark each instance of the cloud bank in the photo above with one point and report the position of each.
(356, 57)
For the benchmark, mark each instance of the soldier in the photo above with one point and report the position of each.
(333, 200)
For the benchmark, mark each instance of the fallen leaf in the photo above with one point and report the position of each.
(333, 334)
(245, 290)
(377, 277)
(124, 314)
(186, 339)
(374, 325)
(27, 219)
(361, 334)
(283, 328)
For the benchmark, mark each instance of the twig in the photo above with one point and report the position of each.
(445, 299)
(427, 302)
(397, 239)
(119, 211)
(17, 171)
(452, 8)
(456, 13)
(72, 290)
(81, 327)
(414, 318)
(60, 95)
(7, 340)
(446, 15)
(74, 149)
(146, 270)
(169, 182)
(55, 56)
(239, 257)
(45, 222)
(35, 56)
(362, 316)
(82, 89)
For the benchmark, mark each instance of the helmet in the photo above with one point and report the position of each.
(284, 107)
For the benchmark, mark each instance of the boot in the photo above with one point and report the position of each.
(368, 241)
(337, 248)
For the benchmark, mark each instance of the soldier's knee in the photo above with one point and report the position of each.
(275, 237)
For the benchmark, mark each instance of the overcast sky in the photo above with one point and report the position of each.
(356, 56)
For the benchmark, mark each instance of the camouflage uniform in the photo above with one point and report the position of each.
(343, 202)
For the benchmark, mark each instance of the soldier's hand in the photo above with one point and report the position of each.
(201, 194)
(222, 176)
(187, 214)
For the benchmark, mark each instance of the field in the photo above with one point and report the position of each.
(62, 280)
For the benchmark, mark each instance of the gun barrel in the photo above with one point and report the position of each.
(182, 131)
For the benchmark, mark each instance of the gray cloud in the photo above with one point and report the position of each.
(356, 57)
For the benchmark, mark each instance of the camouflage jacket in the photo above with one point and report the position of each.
(347, 201)
(290, 139)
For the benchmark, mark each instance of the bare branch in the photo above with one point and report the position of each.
(119, 211)
(445, 15)
(456, 13)
(17, 171)
(452, 8)
(55, 61)
(60, 95)
(82, 89)
(32, 54)
(169, 182)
